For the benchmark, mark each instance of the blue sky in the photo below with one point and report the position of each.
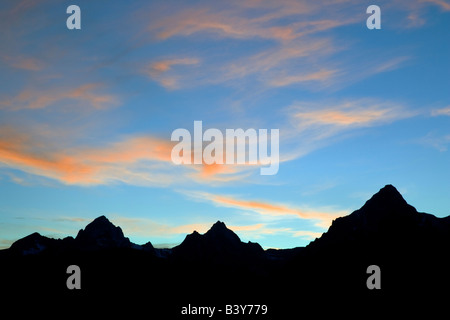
(86, 115)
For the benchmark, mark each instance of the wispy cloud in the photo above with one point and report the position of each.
(135, 160)
(148, 228)
(125, 161)
(277, 210)
(444, 5)
(436, 141)
(296, 45)
(23, 62)
(249, 19)
(160, 71)
(318, 124)
(347, 114)
(84, 95)
(319, 76)
(441, 112)
(300, 49)
(389, 65)
(165, 65)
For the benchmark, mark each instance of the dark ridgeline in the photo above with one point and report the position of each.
(217, 268)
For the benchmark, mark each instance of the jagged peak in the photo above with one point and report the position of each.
(102, 232)
(101, 220)
(391, 192)
(101, 223)
(387, 198)
(385, 209)
(219, 225)
(220, 231)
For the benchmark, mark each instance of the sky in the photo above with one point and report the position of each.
(86, 116)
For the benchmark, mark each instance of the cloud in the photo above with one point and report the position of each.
(295, 45)
(320, 76)
(249, 19)
(434, 140)
(146, 159)
(135, 160)
(159, 71)
(165, 65)
(389, 65)
(310, 126)
(441, 112)
(23, 62)
(272, 67)
(345, 115)
(143, 227)
(321, 218)
(226, 23)
(307, 234)
(84, 95)
(146, 227)
(278, 56)
(221, 173)
(124, 161)
(6, 243)
(259, 230)
(298, 45)
(444, 5)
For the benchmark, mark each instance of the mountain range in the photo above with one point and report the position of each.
(410, 247)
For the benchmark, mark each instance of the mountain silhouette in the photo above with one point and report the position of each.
(97, 235)
(410, 247)
(101, 233)
(218, 244)
(35, 244)
(384, 220)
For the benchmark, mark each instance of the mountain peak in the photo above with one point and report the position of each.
(383, 215)
(218, 244)
(220, 232)
(389, 191)
(387, 199)
(102, 233)
(219, 225)
(31, 244)
(101, 220)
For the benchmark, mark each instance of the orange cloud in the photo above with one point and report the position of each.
(192, 21)
(231, 20)
(87, 166)
(266, 208)
(321, 76)
(356, 113)
(165, 65)
(137, 160)
(148, 228)
(248, 20)
(131, 150)
(85, 94)
(159, 71)
(23, 62)
(322, 218)
(342, 118)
